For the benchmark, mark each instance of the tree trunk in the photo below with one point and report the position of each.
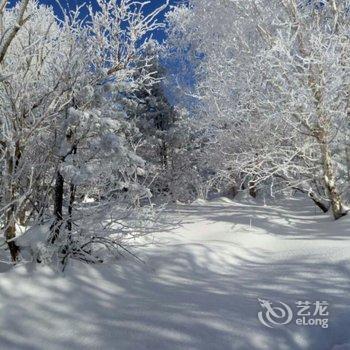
(58, 207)
(252, 189)
(10, 223)
(321, 205)
(164, 155)
(314, 198)
(329, 179)
(10, 233)
(321, 133)
(347, 151)
(70, 206)
(72, 192)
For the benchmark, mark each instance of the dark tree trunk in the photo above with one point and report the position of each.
(10, 233)
(72, 192)
(58, 207)
(70, 206)
(164, 155)
(321, 205)
(252, 189)
(324, 207)
(10, 191)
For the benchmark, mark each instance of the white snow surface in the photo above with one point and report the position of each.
(198, 289)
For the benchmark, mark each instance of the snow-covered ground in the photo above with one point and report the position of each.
(199, 288)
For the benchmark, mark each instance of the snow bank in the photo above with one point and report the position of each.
(224, 200)
(199, 201)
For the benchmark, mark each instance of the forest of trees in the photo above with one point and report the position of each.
(272, 83)
(100, 123)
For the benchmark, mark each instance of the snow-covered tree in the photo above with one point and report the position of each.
(272, 77)
(64, 131)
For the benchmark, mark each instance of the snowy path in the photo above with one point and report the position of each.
(199, 289)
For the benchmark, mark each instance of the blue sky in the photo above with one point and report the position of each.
(171, 65)
(159, 35)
